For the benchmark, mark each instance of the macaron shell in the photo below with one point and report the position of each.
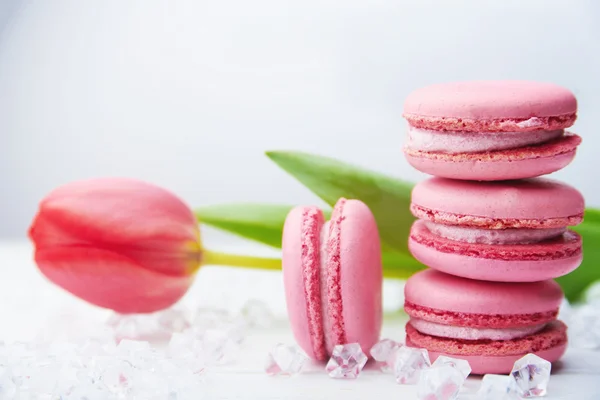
(436, 290)
(564, 246)
(533, 199)
(472, 167)
(554, 334)
(491, 100)
(494, 269)
(361, 274)
(478, 320)
(301, 312)
(482, 222)
(476, 125)
(494, 356)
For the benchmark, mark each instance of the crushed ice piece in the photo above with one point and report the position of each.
(157, 326)
(531, 374)
(132, 346)
(346, 362)
(257, 314)
(208, 319)
(182, 344)
(462, 365)
(185, 350)
(407, 363)
(118, 376)
(383, 352)
(173, 320)
(219, 347)
(92, 348)
(284, 360)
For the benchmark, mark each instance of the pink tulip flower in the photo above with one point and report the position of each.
(117, 243)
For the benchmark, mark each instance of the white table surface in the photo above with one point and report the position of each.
(30, 305)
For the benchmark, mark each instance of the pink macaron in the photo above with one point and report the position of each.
(489, 324)
(508, 231)
(490, 130)
(333, 277)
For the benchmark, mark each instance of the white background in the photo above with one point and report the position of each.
(189, 94)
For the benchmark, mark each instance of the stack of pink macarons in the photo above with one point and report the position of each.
(494, 234)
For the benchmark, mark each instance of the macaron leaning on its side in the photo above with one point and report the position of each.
(333, 277)
(509, 231)
(489, 324)
(490, 130)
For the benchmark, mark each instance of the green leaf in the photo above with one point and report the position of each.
(330, 179)
(399, 265)
(577, 281)
(263, 223)
(591, 217)
(259, 222)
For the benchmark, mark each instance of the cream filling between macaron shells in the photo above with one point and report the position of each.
(324, 236)
(475, 142)
(468, 333)
(493, 236)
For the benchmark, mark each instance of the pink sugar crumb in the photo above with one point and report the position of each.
(496, 321)
(491, 125)
(555, 334)
(334, 269)
(564, 246)
(492, 223)
(564, 144)
(311, 227)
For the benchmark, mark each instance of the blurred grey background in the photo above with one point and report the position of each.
(189, 94)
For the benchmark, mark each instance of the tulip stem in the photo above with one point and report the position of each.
(273, 264)
(235, 260)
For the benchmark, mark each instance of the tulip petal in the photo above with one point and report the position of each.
(136, 219)
(110, 280)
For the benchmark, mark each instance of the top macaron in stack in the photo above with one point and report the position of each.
(490, 131)
(488, 220)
